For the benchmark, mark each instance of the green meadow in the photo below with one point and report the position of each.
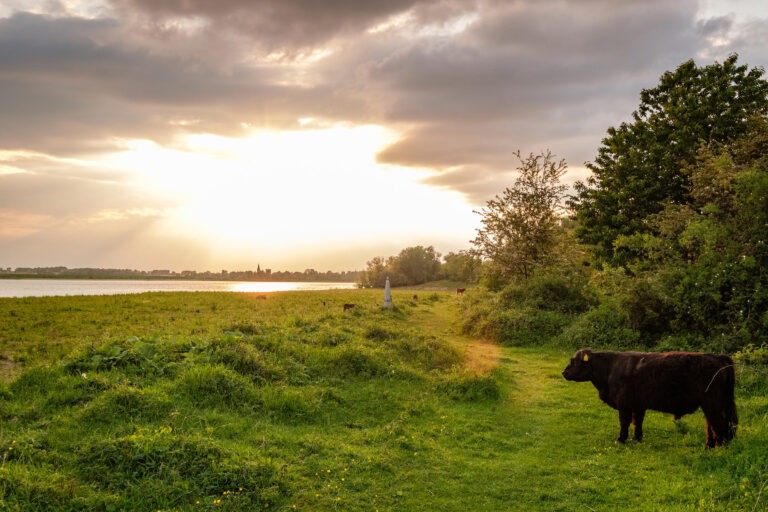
(228, 401)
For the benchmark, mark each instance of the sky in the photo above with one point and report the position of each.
(300, 134)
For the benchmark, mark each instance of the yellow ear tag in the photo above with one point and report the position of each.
(585, 358)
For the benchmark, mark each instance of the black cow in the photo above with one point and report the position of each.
(673, 382)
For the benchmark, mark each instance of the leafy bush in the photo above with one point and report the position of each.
(752, 362)
(477, 308)
(565, 292)
(140, 356)
(531, 313)
(529, 326)
(606, 326)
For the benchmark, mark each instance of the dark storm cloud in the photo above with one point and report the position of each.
(280, 24)
(530, 76)
(465, 82)
(69, 85)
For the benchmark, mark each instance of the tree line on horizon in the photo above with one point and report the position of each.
(224, 275)
(665, 245)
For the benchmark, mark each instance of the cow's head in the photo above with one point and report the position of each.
(579, 368)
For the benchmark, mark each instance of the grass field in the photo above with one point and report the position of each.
(205, 401)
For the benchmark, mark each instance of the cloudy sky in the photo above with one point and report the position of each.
(294, 134)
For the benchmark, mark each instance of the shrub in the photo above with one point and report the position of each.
(476, 310)
(604, 326)
(553, 291)
(533, 312)
(752, 362)
(529, 326)
(148, 356)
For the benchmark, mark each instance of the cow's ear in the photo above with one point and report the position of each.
(585, 357)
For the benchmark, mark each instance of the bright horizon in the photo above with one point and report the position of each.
(229, 135)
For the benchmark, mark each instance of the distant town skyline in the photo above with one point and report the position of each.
(223, 134)
(240, 275)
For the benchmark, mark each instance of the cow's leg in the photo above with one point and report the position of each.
(718, 427)
(711, 435)
(637, 420)
(625, 418)
(732, 418)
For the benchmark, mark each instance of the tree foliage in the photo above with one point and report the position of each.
(710, 256)
(678, 207)
(414, 265)
(640, 165)
(519, 227)
(462, 266)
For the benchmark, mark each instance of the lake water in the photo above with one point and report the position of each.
(50, 287)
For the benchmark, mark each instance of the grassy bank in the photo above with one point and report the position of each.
(205, 401)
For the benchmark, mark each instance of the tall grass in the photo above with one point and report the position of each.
(225, 402)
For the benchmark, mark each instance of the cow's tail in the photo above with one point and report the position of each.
(728, 383)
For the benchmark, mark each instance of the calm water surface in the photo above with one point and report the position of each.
(50, 287)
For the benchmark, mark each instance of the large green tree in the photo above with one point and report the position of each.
(462, 266)
(640, 165)
(519, 227)
(712, 254)
(414, 265)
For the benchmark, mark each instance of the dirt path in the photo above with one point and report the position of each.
(482, 356)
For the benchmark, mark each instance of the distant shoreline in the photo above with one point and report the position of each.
(40, 287)
(213, 277)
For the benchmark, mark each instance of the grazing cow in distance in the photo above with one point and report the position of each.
(672, 382)
(460, 291)
(349, 306)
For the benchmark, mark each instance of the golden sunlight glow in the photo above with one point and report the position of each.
(310, 187)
